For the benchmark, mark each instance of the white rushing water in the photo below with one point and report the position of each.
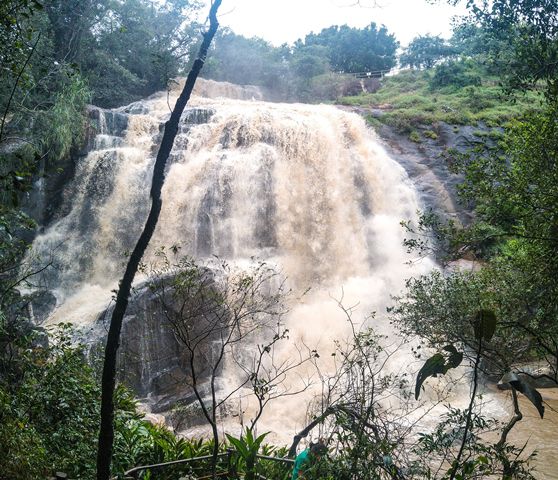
(307, 188)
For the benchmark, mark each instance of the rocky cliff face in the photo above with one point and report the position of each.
(152, 361)
(426, 159)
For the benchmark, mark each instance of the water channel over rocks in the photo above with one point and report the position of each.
(307, 188)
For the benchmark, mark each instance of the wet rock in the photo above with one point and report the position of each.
(109, 122)
(152, 362)
(427, 162)
(41, 304)
(537, 376)
(197, 115)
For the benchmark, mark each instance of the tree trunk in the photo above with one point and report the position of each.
(215, 450)
(106, 433)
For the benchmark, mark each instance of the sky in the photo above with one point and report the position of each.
(280, 21)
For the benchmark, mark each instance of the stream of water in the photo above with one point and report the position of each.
(307, 188)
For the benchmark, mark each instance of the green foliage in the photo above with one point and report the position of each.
(138, 442)
(414, 136)
(430, 134)
(484, 325)
(513, 189)
(481, 459)
(516, 190)
(456, 74)
(50, 401)
(357, 50)
(51, 131)
(274, 469)
(17, 168)
(530, 30)
(425, 52)
(438, 364)
(407, 102)
(49, 414)
(62, 126)
(125, 50)
(247, 447)
(437, 308)
(16, 37)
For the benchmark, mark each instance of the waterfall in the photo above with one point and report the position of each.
(305, 187)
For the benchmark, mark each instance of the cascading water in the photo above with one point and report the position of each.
(307, 188)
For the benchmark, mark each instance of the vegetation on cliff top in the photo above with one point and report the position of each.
(472, 77)
(409, 99)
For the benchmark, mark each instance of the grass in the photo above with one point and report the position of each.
(430, 134)
(408, 101)
(415, 137)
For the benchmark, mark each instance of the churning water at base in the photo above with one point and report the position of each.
(306, 188)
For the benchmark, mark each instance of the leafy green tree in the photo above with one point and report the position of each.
(49, 409)
(357, 50)
(529, 28)
(515, 235)
(17, 46)
(473, 40)
(425, 52)
(309, 60)
(152, 44)
(49, 402)
(126, 50)
(71, 22)
(457, 73)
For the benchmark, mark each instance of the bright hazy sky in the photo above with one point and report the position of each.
(280, 21)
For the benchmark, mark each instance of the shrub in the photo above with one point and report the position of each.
(430, 134)
(415, 137)
(456, 74)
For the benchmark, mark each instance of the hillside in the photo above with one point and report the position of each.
(413, 100)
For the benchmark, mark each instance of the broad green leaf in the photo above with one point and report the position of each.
(239, 445)
(438, 364)
(484, 325)
(433, 366)
(249, 437)
(523, 387)
(258, 441)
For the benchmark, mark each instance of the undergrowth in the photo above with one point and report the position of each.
(409, 99)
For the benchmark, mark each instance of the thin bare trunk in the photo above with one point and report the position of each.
(469, 413)
(106, 433)
(517, 417)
